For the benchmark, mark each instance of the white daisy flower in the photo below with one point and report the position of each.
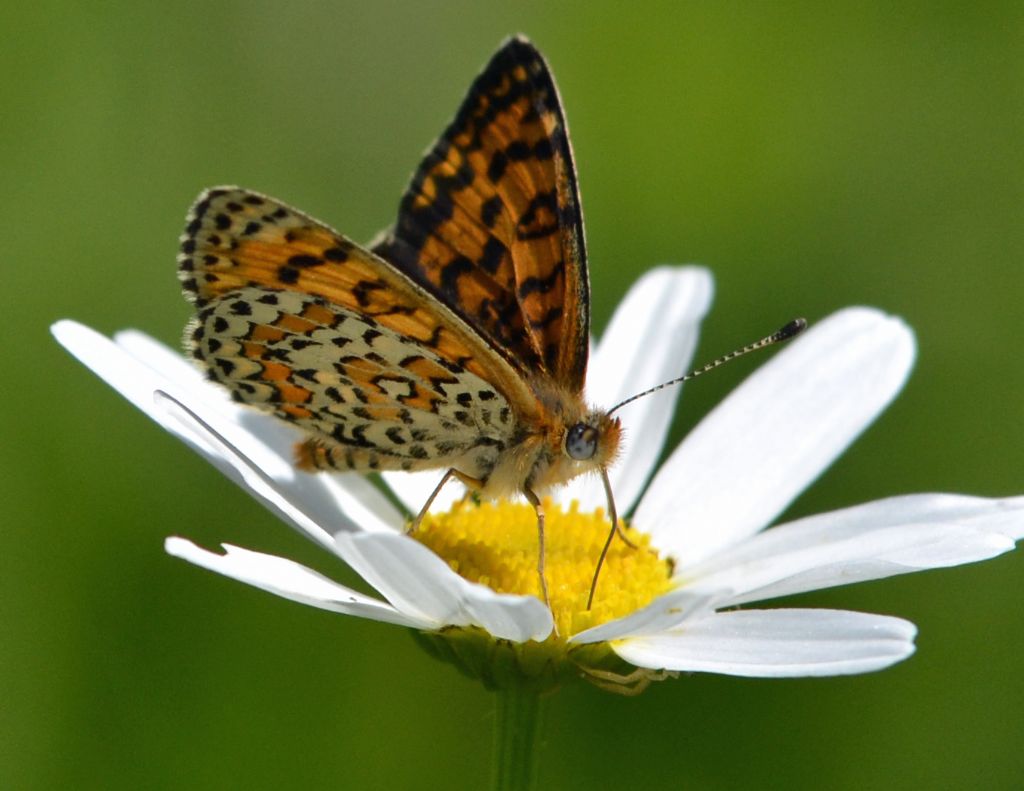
(669, 605)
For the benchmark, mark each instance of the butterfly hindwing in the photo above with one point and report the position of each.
(370, 398)
(491, 223)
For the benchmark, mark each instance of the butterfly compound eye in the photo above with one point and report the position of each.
(581, 442)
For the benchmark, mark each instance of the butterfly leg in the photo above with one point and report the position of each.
(415, 525)
(534, 500)
(471, 484)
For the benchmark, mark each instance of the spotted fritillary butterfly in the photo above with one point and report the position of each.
(457, 341)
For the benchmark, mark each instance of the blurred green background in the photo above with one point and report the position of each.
(812, 155)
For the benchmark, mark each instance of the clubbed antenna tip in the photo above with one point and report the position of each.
(794, 328)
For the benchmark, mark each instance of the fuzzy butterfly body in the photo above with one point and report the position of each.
(457, 341)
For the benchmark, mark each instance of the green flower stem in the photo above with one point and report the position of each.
(517, 726)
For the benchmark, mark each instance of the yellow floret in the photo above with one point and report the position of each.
(495, 544)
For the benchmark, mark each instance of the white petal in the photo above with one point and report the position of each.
(120, 370)
(135, 381)
(1004, 515)
(241, 442)
(776, 643)
(167, 362)
(289, 580)
(238, 465)
(322, 495)
(419, 583)
(773, 435)
(879, 539)
(650, 339)
(665, 612)
(873, 555)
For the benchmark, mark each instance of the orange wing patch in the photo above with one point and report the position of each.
(491, 222)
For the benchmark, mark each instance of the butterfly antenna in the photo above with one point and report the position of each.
(791, 330)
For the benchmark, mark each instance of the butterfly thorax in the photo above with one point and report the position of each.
(567, 439)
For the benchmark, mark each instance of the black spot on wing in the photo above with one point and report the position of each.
(493, 254)
(540, 285)
(450, 276)
(305, 261)
(490, 210)
(362, 290)
(540, 218)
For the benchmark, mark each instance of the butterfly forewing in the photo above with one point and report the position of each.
(491, 222)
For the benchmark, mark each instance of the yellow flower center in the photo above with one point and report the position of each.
(495, 544)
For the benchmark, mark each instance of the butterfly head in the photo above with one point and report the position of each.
(593, 441)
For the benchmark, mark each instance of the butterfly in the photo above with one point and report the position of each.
(458, 340)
